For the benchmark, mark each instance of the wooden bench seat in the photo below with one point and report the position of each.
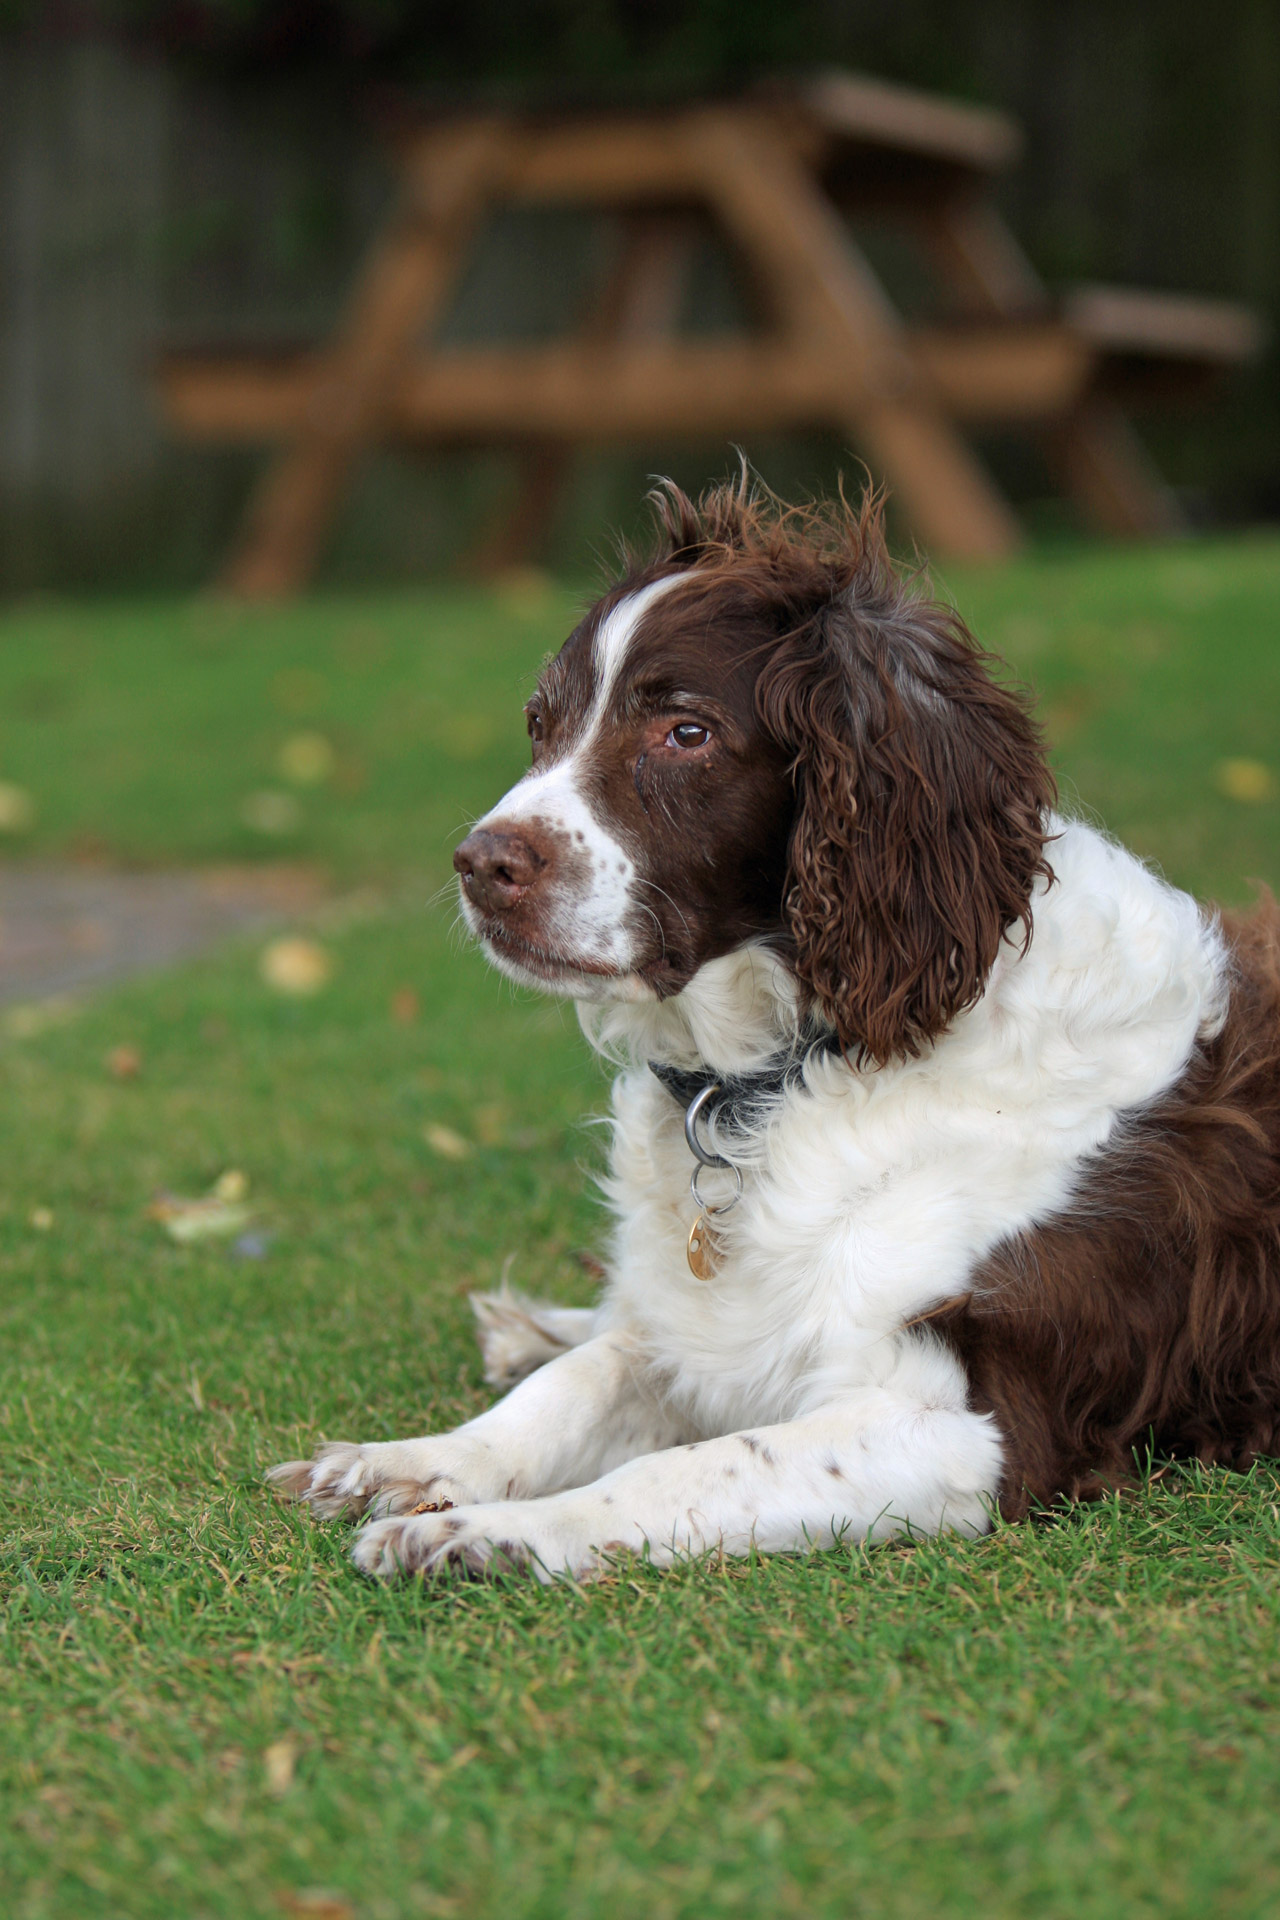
(993, 372)
(1161, 346)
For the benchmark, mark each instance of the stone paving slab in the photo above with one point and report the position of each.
(63, 929)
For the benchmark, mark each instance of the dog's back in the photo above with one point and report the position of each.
(1148, 1315)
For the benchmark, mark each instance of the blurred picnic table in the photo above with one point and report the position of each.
(778, 175)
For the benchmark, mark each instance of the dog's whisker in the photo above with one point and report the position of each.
(684, 918)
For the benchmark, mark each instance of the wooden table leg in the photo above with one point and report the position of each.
(950, 501)
(979, 259)
(833, 309)
(411, 272)
(1101, 461)
(1106, 470)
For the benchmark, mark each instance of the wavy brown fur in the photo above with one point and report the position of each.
(1149, 1313)
(920, 782)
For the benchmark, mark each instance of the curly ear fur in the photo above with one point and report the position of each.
(919, 832)
(921, 783)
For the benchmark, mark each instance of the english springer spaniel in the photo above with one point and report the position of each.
(980, 1117)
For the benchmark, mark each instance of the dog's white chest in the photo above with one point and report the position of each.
(812, 1268)
(870, 1198)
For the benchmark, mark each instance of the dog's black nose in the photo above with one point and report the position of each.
(497, 868)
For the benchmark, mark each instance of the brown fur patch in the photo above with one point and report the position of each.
(1148, 1313)
(920, 783)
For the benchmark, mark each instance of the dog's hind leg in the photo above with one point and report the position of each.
(518, 1335)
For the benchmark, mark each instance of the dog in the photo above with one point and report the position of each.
(945, 1171)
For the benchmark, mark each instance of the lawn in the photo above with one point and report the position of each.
(205, 1711)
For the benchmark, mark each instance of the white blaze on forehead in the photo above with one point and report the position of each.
(593, 915)
(613, 639)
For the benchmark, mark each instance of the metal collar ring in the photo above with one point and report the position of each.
(722, 1206)
(693, 1113)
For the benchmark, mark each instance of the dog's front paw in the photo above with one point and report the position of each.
(506, 1536)
(385, 1477)
(460, 1542)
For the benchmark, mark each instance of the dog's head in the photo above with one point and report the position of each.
(764, 733)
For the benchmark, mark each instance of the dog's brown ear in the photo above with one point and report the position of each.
(921, 789)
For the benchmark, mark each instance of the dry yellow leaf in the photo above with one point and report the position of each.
(279, 1760)
(30, 1018)
(17, 808)
(447, 1143)
(218, 1214)
(1246, 780)
(295, 965)
(306, 759)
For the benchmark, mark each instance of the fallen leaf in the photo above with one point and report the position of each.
(405, 1006)
(17, 808)
(271, 812)
(1246, 780)
(124, 1063)
(278, 1762)
(447, 1143)
(30, 1018)
(294, 965)
(41, 1218)
(221, 1212)
(306, 759)
(317, 1904)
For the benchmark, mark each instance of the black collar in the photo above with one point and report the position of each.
(737, 1098)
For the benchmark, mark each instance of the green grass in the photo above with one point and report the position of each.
(140, 729)
(205, 1712)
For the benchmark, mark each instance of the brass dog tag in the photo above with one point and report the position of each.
(700, 1249)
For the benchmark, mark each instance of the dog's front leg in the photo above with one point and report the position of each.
(574, 1419)
(871, 1466)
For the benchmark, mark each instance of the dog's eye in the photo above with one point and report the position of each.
(688, 734)
(534, 719)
